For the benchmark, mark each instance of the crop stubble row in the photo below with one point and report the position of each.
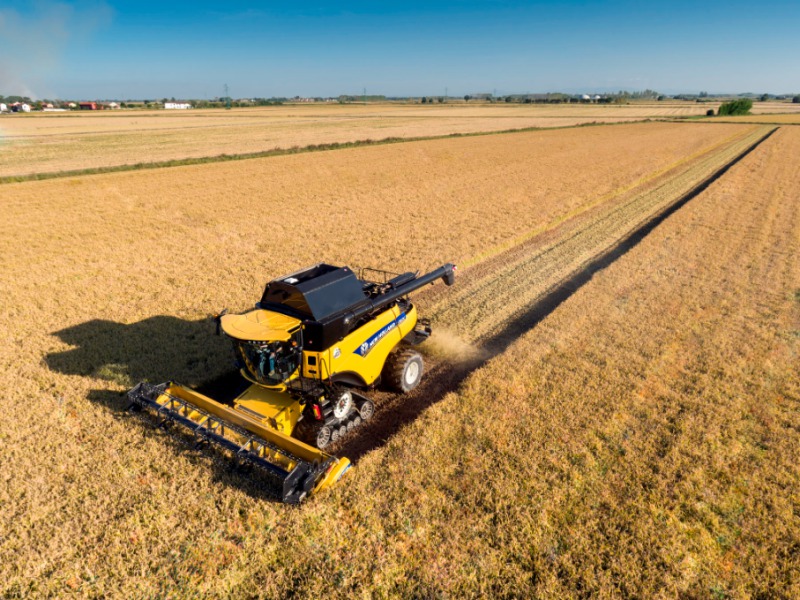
(484, 304)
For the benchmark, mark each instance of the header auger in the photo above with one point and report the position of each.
(314, 342)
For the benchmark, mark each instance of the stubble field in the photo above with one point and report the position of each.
(638, 440)
(47, 143)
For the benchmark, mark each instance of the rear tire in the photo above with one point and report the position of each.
(403, 370)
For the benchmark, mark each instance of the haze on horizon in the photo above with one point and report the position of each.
(124, 49)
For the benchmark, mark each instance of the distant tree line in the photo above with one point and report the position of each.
(225, 102)
(13, 99)
(353, 98)
(741, 106)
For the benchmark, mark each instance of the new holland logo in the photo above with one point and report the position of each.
(376, 337)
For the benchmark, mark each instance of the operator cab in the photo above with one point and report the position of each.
(268, 345)
(270, 363)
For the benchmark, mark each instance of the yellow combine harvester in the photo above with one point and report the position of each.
(316, 337)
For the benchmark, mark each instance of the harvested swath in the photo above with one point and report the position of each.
(487, 303)
(499, 299)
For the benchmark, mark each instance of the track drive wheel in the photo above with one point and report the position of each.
(343, 405)
(366, 410)
(323, 438)
(403, 370)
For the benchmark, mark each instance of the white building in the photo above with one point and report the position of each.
(177, 105)
(3, 108)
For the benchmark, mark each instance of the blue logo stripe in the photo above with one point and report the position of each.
(376, 337)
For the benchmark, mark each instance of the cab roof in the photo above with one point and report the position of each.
(259, 326)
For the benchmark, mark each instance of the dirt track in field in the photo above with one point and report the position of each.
(500, 299)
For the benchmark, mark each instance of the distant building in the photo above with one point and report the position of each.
(3, 108)
(177, 105)
(88, 105)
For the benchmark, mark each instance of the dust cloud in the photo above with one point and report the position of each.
(449, 347)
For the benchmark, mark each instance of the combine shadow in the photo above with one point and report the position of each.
(158, 349)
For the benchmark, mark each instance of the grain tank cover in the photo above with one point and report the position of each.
(316, 292)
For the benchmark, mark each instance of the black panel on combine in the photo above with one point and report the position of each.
(315, 293)
(332, 301)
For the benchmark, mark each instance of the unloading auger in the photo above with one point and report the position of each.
(314, 342)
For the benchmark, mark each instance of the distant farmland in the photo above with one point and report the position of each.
(47, 143)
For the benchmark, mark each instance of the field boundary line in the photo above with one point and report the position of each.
(727, 121)
(202, 160)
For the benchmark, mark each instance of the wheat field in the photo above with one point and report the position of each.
(49, 142)
(641, 440)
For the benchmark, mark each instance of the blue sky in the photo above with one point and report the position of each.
(124, 49)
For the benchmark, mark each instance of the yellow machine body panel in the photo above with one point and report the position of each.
(362, 352)
(271, 407)
(248, 422)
